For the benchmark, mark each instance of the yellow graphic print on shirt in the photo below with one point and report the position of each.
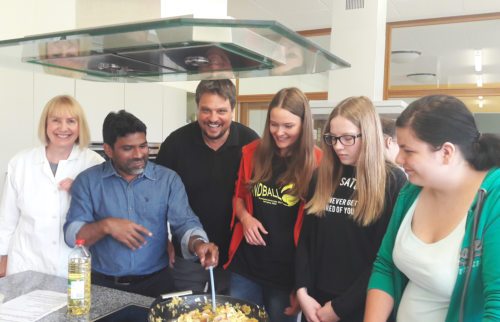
(274, 196)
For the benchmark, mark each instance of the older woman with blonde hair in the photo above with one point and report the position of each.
(351, 203)
(36, 191)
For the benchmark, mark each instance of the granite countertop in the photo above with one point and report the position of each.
(104, 300)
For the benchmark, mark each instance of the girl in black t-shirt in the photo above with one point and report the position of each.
(268, 205)
(347, 216)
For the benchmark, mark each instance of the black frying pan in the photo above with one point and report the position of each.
(161, 309)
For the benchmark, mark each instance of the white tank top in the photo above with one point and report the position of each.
(431, 269)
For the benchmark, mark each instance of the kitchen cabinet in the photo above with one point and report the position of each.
(17, 125)
(162, 108)
(146, 102)
(98, 99)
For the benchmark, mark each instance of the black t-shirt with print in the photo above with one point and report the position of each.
(273, 264)
(335, 254)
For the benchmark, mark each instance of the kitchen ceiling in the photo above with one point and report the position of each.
(449, 50)
(316, 14)
(446, 52)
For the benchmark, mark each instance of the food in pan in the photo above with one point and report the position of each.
(199, 309)
(223, 313)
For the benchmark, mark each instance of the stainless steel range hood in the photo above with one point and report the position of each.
(171, 50)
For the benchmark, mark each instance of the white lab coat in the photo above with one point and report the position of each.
(33, 210)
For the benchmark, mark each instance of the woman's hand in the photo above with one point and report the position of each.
(308, 305)
(65, 184)
(379, 305)
(327, 314)
(252, 229)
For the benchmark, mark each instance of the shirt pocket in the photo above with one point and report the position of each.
(152, 213)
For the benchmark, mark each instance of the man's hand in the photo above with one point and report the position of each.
(327, 314)
(252, 229)
(208, 253)
(171, 254)
(3, 265)
(127, 232)
(294, 307)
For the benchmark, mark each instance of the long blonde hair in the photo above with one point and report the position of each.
(370, 168)
(299, 171)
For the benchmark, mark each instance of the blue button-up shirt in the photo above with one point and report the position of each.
(155, 196)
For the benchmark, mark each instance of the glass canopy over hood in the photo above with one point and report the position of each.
(171, 50)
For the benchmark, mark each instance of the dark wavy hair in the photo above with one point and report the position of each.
(222, 87)
(437, 119)
(120, 124)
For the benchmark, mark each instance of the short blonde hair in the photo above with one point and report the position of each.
(57, 106)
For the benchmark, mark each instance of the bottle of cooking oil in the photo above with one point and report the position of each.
(79, 279)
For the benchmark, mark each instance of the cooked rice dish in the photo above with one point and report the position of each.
(223, 313)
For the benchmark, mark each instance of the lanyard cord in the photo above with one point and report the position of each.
(470, 252)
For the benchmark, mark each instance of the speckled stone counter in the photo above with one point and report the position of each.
(104, 300)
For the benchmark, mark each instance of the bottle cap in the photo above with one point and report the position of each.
(80, 242)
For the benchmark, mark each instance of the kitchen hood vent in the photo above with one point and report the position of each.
(175, 49)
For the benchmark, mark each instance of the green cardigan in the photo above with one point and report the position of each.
(483, 294)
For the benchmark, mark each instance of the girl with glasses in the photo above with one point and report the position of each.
(351, 203)
(268, 204)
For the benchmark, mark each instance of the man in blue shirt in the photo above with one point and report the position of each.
(121, 207)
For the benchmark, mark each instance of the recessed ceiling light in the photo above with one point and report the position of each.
(422, 77)
(478, 60)
(479, 80)
(404, 56)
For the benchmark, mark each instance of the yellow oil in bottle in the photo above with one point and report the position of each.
(79, 285)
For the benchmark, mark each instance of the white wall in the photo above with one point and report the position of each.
(358, 37)
(92, 13)
(271, 85)
(28, 17)
(99, 99)
(16, 116)
(174, 109)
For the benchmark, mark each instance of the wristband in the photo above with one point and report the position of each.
(195, 240)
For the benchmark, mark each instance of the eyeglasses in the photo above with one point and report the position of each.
(346, 140)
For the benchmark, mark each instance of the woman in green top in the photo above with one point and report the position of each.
(439, 258)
